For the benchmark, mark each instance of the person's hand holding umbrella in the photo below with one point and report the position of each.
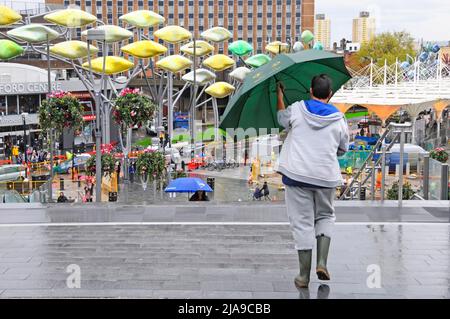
(280, 94)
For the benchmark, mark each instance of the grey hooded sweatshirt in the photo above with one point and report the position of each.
(309, 154)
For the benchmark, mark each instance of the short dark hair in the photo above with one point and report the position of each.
(321, 86)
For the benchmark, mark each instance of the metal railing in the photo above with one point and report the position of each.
(368, 160)
(435, 175)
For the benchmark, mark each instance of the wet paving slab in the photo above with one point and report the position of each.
(221, 261)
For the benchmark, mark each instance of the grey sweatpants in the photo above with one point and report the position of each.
(311, 213)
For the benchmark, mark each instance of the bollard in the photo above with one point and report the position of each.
(362, 193)
(373, 180)
(426, 176)
(384, 169)
(61, 183)
(444, 182)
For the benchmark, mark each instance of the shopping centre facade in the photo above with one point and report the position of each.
(22, 90)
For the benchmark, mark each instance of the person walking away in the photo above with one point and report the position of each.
(317, 135)
(131, 170)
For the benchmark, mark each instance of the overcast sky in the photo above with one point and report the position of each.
(427, 19)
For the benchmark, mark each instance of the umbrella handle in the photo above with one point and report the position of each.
(281, 86)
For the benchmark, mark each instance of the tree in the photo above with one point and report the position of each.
(388, 46)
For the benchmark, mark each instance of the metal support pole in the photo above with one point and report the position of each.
(396, 72)
(400, 179)
(426, 176)
(50, 140)
(216, 120)
(194, 99)
(359, 188)
(105, 104)
(383, 172)
(438, 131)
(25, 144)
(444, 182)
(413, 136)
(98, 106)
(170, 107)
(98, 151)
(373, 179)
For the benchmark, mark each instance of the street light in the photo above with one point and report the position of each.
(24, 115)
(97, 35)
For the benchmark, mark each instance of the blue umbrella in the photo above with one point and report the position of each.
(188, 185)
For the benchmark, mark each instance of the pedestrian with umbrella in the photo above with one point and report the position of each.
(188, 185)
(317, 134)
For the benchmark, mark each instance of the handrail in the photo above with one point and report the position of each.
(417, 196)
(368, 159)
(379, 160)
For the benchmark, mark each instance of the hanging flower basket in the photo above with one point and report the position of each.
(108, 165)
(439, 154)
(60, 111)
(151, 164)
(132, 108)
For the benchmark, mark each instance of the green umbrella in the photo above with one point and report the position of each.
(255, 104)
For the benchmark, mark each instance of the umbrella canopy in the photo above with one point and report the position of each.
(255, 104)
(188, 185)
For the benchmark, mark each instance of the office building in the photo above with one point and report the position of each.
(364, 28)
(322, 30)
(255, 21)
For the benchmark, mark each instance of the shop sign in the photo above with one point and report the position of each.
(27, 88)
(88, 118)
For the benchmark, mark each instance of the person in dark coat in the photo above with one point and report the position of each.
(62, 198)
(199, 196)
(265, 191)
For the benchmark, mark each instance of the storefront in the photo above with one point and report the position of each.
(22, 90)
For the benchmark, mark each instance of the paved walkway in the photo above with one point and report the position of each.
(219, 261)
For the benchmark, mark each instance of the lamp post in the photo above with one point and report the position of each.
(97, 35)
(25, 142)
(50, 138)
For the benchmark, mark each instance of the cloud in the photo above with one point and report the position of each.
(425, 19)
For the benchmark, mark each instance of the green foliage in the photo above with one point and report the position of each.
(152, 164)
(108, 164)
(408, 192)
(179, 174)
(132, 108)
(145, 142)
(60, 111)
(388, 46)
(181, 138)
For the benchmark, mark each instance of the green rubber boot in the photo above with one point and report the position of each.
(304, 258)
(323, 246)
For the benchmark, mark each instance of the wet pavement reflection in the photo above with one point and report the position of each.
(221, 261)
